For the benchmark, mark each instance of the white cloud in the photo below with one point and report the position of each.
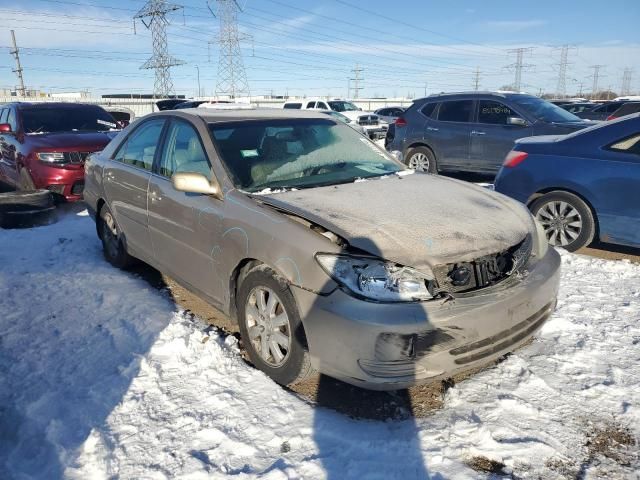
(515, 25)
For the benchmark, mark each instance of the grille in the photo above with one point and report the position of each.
(368, 120)
(482, 272)
(76, 157)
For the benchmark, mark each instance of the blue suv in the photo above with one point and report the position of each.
(473, 131)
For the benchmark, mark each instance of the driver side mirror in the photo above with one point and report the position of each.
(5, 128)
(517, 121)
(194, 183)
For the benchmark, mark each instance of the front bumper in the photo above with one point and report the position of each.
(394, 346)
(66, 182)
(375, 132)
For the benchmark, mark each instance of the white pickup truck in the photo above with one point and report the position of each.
(372, 124)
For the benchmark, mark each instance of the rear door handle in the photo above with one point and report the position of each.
(432, 129)
(476, 132)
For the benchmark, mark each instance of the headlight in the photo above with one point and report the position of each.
(51, 157)
(541, 244)
(375, 279)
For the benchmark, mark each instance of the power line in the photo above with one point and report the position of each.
(156, 12)
(356, 80)
(518, 66)
(596, 78)
(18, 70)
(561, 87)
(476, 79)
(627, 74)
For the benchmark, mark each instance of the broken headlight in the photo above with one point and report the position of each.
(374, 279)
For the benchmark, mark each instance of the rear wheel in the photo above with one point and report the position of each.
(567, 220)
(113, 244)
(422, 159)
(271, 328)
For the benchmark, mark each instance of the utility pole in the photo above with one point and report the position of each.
(425, 89)
(519, 65)
(626, 81)
(476, 79)
(356, 80)
(232, 77)
(596, 77)
(18, 70)
(561, 88)
(199, 89)
(153, 15)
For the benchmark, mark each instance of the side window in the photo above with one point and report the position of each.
(628, 145)
(293, 106)
(495, 113)
(140, 148)
(183, 151)
(322, 105)
(612, 107)
(428, 109)
(311, 104)
(455, 111)
(3, 115)
(11, 119)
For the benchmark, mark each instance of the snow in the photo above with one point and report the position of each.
(102, 376)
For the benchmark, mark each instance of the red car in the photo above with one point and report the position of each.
(44, 145)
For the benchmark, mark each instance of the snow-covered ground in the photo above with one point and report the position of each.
(102, 377)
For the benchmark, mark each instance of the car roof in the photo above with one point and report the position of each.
(474, 93)
(53, 104)
(214, 115)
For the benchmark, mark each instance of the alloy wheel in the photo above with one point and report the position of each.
(419, 161)
(561, 221)
(268, 326)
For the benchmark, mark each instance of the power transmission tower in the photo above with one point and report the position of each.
(232, 77)
(153, 15)
(626, 81)
(18, 70)
(519, 65)
(561, 88)
(476, 79)
(356, 80)
(596, 78)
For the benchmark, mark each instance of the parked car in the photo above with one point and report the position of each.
(389, 114)
(626, 109)
(601, 111)
(582, 186)
(473, 131)
(374, 126)
(44, 145)
(169, 103)
(122, 115)
(267, 214)
(578, 107)
(189, 104)
(358, 128)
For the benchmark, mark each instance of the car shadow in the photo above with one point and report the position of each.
(72, 333)
(345, 447)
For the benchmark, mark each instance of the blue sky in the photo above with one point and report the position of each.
(310, 47)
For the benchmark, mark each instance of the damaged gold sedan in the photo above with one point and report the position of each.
(331, 255)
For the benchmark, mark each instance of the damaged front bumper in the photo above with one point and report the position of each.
(397, 345)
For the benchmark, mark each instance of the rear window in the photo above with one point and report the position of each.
(90, 118)
(455, 111)
(428, 109)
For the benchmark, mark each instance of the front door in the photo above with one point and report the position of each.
(9, 148)
(185, 227)
(492, 136)
(126, 180)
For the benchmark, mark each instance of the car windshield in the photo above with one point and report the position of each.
(90, 118)
(297, 153)
(544, 110)
(341, 106)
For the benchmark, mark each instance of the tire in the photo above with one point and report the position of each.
(295, 364)
(113, 244)
(26, 182)
(422, 159)
(35, 199)
(566, 219)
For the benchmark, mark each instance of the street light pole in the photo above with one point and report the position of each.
(199, 91)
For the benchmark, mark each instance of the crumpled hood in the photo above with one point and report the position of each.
(416, 220)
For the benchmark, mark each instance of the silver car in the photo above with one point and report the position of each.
(330, 254)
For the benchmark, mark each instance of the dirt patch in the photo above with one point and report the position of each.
(486, 465)
(612, 441)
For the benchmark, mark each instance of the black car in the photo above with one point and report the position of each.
(602, 111)
(473, 131)
(626, 109)
(578, 107)
(169, 103)
(189, 104)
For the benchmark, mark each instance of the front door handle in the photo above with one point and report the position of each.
(476, 132)
(432, 129)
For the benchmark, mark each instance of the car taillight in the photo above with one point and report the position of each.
(514, 158)
(400, 122)
(611, 117)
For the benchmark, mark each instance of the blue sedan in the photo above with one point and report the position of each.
(582, 186)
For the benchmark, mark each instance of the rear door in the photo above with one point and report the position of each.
(10, 148)
(449, 134)
(126, 179)
(492, 136)
(184, 227)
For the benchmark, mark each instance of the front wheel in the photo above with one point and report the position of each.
(271, 328)
(422, 159)
(567, 220)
